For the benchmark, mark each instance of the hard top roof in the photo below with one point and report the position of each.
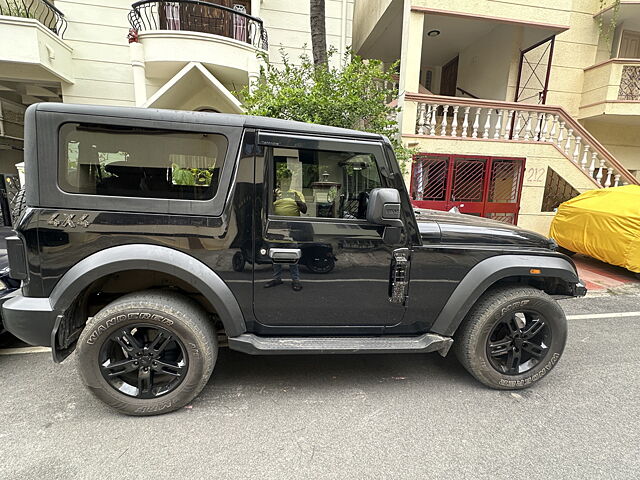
(202, 118)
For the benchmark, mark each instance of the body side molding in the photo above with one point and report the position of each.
(156, 258)
(489, 271)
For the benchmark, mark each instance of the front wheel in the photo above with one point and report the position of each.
(148, 353)
(512, 337)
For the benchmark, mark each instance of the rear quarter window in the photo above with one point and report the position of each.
(124, 161)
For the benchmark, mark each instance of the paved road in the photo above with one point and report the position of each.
(370, 416)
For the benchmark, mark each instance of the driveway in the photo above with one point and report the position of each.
(360, 416)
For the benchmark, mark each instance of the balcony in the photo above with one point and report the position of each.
(611, 88)
(176, 33)
(38, 27)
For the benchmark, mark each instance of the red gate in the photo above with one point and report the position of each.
(484, 186)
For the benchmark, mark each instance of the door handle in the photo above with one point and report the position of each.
(285, 255)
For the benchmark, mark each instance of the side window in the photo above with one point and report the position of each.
(139, 162)
(321, 183)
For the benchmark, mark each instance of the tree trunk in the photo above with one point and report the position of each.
(318, 32)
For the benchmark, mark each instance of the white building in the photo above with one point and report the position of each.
(184, 54)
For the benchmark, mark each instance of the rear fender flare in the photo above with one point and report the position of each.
(152, 258)
(488, 272)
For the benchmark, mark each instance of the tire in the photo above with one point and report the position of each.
(189, 336)
(18, 205)
(238, 261)
(479, 342)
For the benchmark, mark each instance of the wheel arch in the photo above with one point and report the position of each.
(153, 258)
(557, 276)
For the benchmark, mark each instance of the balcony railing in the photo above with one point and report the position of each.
(630, 83)
(611, 87)
(467, 118)
(41, 10)
(199, 16)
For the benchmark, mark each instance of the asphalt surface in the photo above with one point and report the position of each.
(368, 416)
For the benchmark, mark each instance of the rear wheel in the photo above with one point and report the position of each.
(148, 353)
(512, 337)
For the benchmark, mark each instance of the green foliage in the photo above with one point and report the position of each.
(607, 29)
(15, 10)
(283, 172)
(190, 176)
(355, 94)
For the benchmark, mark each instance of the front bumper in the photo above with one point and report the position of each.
(28, 318)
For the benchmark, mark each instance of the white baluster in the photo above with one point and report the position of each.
(465, 122)
(567, 146)
(527, 128)
(553, 129)
(507, 130)
(432, 122)
(536, 135)
(443, 130)
(476, 124)
(594, 160)
(600, 170)
(560, 135)
(516, 130)
(498, 129)
(607, 183)
(545, 127)
(421, 109)
(585, 156)
(576, 151)
(487, 124)
(454, 122)
(617, 180)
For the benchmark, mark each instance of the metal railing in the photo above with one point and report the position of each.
(198, 16)
(456, 117)
(42, 10)
(630, 83)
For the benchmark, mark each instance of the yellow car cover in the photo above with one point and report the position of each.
(603, 224)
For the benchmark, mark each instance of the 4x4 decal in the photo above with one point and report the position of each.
(67, 220)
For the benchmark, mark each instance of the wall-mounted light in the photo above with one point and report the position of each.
(433, 33)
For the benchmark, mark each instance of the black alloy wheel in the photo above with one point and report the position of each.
(518, 342)
(143, 361)
(512, 337)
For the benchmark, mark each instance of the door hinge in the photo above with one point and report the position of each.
(399, 276)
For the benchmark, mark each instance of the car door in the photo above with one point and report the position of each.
(342, 262)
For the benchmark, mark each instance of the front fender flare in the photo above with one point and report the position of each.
(488, 272)
(153, 258)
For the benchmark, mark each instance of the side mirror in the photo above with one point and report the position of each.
(384, 209)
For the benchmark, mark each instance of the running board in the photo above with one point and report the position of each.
(255, 345)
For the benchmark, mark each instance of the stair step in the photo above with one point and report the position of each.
(256, 345)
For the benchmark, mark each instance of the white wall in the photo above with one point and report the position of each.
(97, 32)
(287, 24)
(484, 67)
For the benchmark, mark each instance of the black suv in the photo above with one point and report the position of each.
(150, 235)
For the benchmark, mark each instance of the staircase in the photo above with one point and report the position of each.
(478, 119)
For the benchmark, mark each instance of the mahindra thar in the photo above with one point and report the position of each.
(149, 236)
